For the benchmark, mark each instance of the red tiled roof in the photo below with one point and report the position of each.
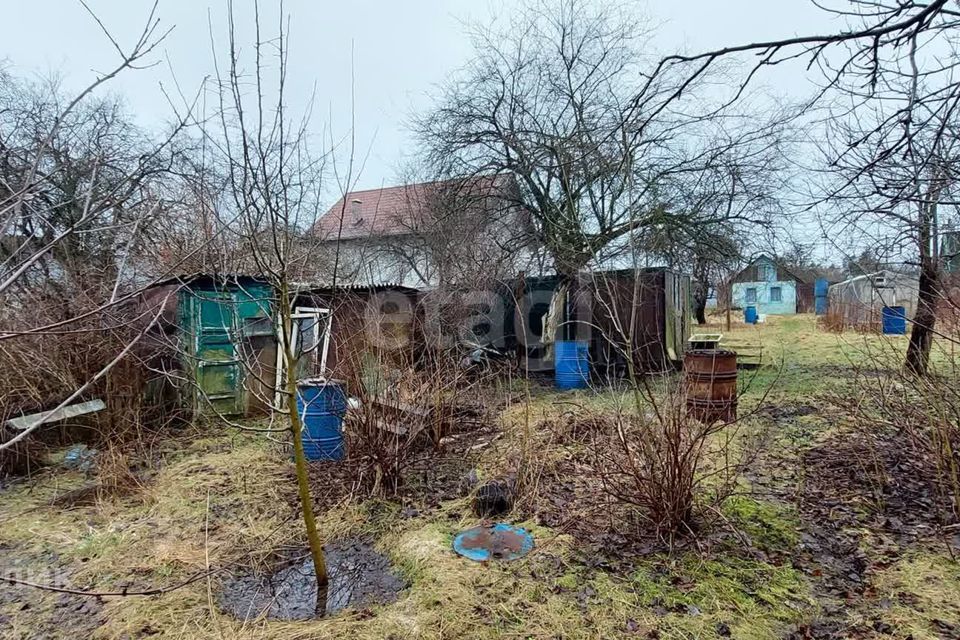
(388, 211)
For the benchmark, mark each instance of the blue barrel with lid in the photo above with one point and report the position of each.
(571, 364)
(750, 315)
(322, 404)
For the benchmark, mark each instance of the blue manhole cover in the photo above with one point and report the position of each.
(493, 542)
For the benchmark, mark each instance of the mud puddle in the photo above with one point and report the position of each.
(359, 577)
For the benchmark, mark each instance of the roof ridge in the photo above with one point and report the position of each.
(418, 184)
(386, 210)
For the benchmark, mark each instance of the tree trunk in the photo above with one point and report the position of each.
(728, 295)
(566, 283)
(299, 457)
(700, 311)
(700, 292)
(924, 321)
(921, 333)
(700, 289)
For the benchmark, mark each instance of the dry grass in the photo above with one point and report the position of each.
(919, 594)
(157, 534)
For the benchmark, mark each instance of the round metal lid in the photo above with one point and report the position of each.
(493, 542)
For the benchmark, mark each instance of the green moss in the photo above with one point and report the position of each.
(755, 599)
(568, 580)
(770, 527)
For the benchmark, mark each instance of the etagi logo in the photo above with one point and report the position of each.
(477, 317)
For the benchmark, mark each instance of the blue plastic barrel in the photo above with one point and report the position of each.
(894, 321)
(750, 315)
(572, 364)
(322, 405)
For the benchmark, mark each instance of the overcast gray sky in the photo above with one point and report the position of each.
(402, 48)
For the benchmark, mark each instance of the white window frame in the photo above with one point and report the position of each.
(303, 313)
(319, 351)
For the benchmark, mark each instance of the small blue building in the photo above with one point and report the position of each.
(772, 288)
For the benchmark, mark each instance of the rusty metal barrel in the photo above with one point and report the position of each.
(710, 384)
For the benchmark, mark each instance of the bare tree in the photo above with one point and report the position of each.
(718, 206)
(547, 100)
(272, 181)
(892, 166)
(893, 63)
(707, 252)
(81, 192)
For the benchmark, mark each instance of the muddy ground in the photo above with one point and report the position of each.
(359, 577)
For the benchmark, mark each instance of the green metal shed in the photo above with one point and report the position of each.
(227, 337)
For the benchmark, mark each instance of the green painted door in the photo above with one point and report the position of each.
(219, 385)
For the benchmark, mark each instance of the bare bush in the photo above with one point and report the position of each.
(920, 414)
(833, 321)
(83, 192)
(399, 427)
(670, 466)
(39, 370)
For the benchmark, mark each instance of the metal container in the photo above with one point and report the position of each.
(894, 321)
(571, 364)
(322, 405)
(710, 384)
(498, 541)
(750, 315)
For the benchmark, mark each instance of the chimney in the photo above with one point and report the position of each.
(355, 212)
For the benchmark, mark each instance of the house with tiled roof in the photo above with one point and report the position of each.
(427, 234)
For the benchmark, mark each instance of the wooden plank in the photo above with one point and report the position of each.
(401, 407)
(390, 427)
(70, 411)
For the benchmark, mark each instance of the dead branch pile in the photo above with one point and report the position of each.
(396, 425)
(40, 369)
